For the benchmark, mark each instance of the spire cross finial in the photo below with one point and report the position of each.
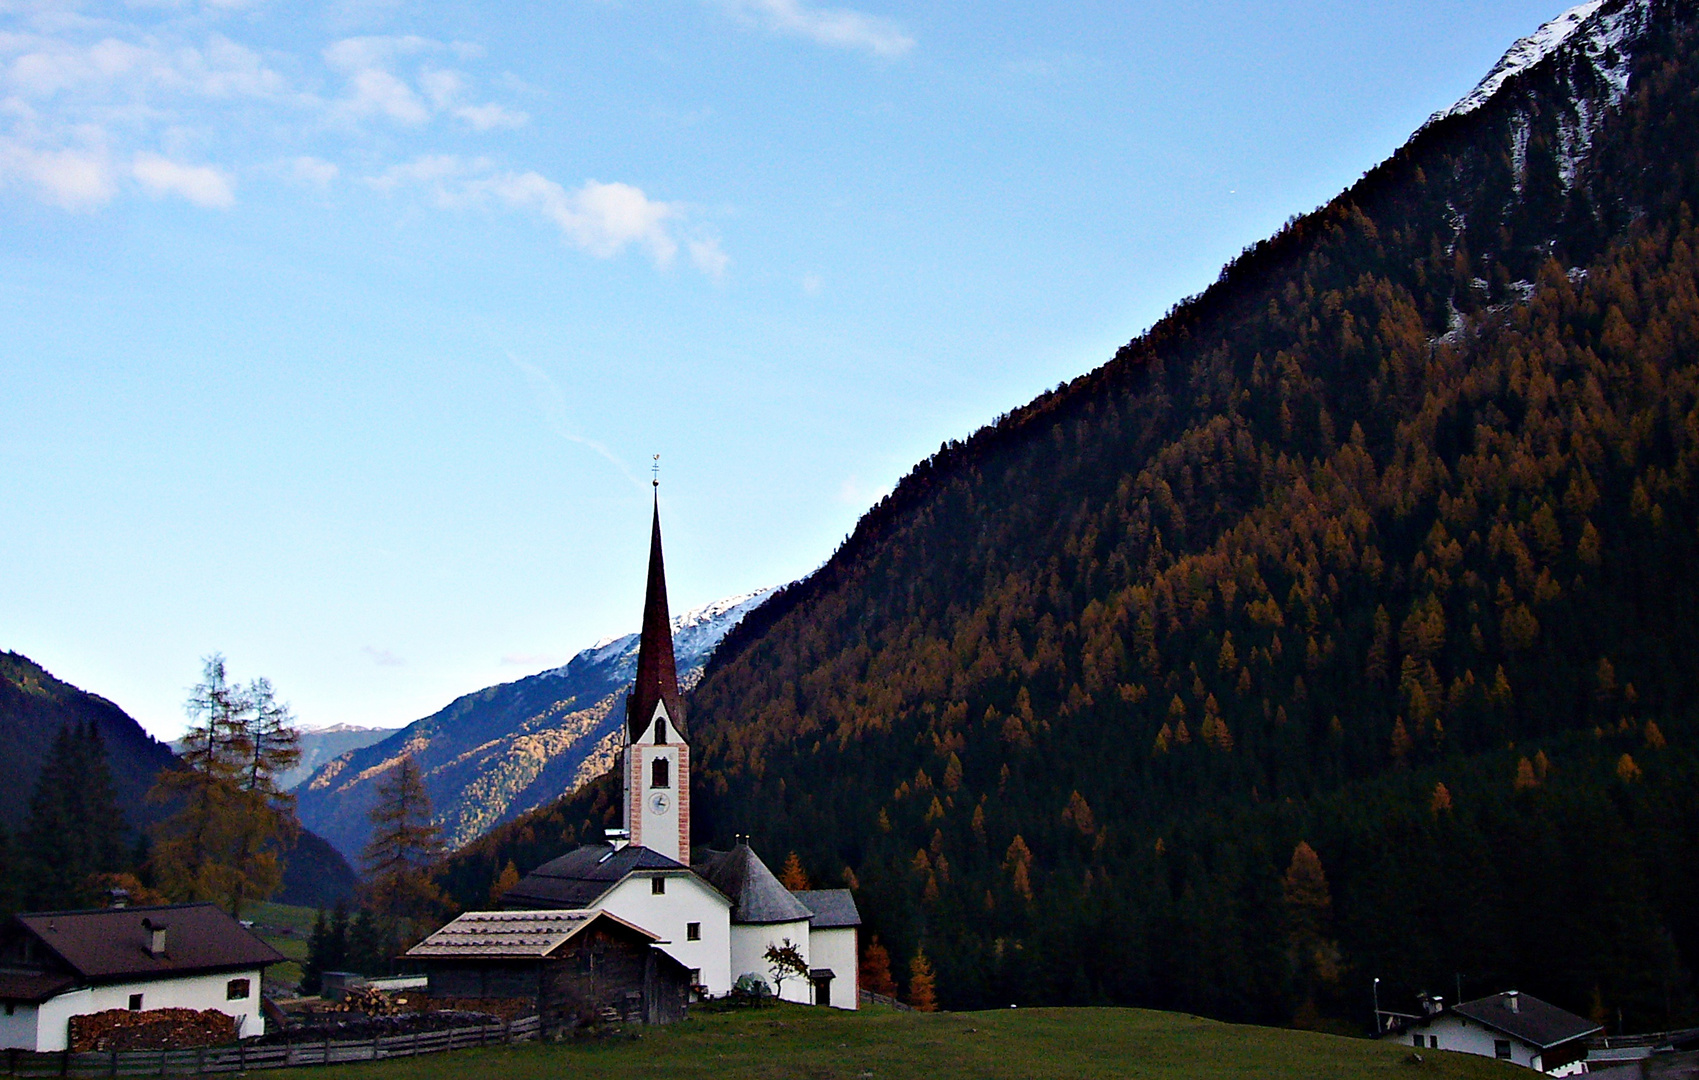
(655, 471)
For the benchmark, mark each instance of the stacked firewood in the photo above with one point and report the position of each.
(364, 999)
(152, 1029)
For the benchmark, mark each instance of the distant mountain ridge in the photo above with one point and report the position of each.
(494, 754)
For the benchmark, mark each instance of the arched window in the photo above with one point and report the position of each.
(660, 774)
(660, 729)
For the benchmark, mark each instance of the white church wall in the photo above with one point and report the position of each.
(687, 899)
(748, 955)
(835, 950)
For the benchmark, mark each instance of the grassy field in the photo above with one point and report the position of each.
(285, 928)
(881, 1044)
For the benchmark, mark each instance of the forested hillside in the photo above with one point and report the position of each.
(1339, 627)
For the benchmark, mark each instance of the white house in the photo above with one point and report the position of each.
(719, 917)
(58, 964)
(1511, 1026)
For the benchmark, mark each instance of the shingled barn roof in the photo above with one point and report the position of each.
(514, 935)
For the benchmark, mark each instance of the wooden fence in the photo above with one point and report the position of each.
(240, 1058)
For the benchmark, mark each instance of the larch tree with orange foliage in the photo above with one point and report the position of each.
(922, 991)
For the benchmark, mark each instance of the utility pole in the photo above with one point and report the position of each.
(1377, 1006)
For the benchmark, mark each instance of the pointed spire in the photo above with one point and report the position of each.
(657, 672)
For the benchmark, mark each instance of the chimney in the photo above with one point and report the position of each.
(1512, 1001)
(156, 938)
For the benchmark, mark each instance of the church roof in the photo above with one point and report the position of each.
(756, 895)
(512, 935)
(657, 673)
(581, 876)
(832, 907)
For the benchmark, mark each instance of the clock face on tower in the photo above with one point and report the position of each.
(658, 802)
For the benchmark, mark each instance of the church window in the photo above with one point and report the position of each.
(660, 729)
(657, 886)
(660, 774)
(693, 931)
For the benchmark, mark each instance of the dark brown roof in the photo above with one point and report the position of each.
(1535, 1022)
(33, 985)
(112, 943)
(580, 877)
(657, 673)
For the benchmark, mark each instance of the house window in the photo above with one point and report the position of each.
(11, 1008)
(236, 990)
(695, 976)
(659, 773)
(1433, 1042)
(1416, 1040)
(657, 886)
(693, 931)
(135, 1003)
(1501, 1049)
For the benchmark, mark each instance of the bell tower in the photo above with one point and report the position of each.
(656, 759)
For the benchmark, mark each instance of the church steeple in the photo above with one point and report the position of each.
(657, 672)
(656, 759)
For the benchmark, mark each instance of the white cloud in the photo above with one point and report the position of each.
(382, 657)
(314, 171)
(602, 219)
(706, 254)
(486, 117)
(441, 86)
(199, 184)
(811, 284)
(427, 169)
(70, 179)
(838, 27)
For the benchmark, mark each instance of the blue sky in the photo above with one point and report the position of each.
(338, 337)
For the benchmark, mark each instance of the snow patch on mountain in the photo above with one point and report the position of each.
(1523, 55)
(696, 634)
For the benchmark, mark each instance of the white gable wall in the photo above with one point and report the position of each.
(17, 1027)
(688, 899)
(749, 955)
(52, 1027)
(1467, 1037)
(835, 948)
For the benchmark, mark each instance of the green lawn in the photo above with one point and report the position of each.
(881, 1044)
(286, 928)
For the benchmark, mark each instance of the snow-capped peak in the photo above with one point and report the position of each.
(695, 634)
(1523, 55)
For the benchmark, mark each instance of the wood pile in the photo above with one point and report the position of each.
(505, 1008)
(364, 999)
(151, 1029)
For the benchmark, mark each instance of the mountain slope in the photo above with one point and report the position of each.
(497, 753)
(34, 706)
(1386, 542)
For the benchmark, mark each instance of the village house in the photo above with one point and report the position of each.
(58, 964)
(1511, 1026)
(719, 917)
(575, 966)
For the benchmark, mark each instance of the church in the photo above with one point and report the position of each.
(715, 917)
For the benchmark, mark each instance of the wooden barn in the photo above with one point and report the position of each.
(578, 966)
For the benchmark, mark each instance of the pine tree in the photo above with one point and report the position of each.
(504, 883)
(876, 969)
(194, 848)
(793, 876)
(266, 822)
(922, 993)
(403, 845)
(74, 829)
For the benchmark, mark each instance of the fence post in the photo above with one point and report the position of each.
(242, 1055)
(112, 1069)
